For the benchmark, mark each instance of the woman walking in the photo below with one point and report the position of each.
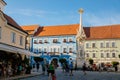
(51, 71)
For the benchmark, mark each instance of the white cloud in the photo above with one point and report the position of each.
(101, 19)
(29, 12)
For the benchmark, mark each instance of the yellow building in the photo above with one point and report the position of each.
(102, 43)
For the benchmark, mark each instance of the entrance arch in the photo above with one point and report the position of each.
(55, 60)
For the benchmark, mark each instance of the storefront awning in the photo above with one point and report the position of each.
(12, 49)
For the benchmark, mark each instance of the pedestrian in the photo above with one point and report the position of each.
(51, 70)
(66, 68)
(116, 68)
(84, 68)
(37, 65)
(71, 68)
(63, 66)
(43, 68)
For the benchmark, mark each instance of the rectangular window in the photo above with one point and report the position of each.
(70, 40)
(113, 44)
(102, 55)
(94, 55)
(21, 40)
(0, 32)
(108, 55)
(45, 50)
(113, 55)
(87, 45)
(54, 50)
(93, 45)
(87, 54)
(35, 41)
(13, 37)
(64, 50)
(55, 40)
(40, 50)
(107, 45)
(101, 45)
(70, 50)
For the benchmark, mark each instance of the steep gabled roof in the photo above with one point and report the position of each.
(57, 30)
(12, 23)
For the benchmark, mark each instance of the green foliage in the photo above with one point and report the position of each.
(91, 61)
(62, 60)
(119, 55)
(26, 61)
(114, 63)
(38, 59)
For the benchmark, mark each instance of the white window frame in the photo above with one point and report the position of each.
(21, 40)
(13, 37)
(0, 32)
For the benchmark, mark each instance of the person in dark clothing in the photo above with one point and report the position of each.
(37, 65)
(84, 68)
(116, 68)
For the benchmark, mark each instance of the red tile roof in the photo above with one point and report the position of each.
(102, 32)
(12, 23)
(30, 28)
(57, 30)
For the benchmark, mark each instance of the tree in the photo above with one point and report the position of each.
(114, 63)
(62, 60)
(91, 61)
(38, 59)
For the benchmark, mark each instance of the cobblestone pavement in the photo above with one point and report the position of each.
(78, 75)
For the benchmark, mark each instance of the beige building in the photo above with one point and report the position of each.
(102, 43)
(12, 39)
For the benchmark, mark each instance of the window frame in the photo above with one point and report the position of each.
(13, 37)
(0, 32)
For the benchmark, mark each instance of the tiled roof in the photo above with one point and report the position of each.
(30, 28)
(57, 30)
(12, 23)
(102, 32)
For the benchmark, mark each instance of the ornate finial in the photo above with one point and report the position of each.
(81, 11)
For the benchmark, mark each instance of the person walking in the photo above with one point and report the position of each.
(51, 71)
(84, 68)
(37, 66)
(71, 68)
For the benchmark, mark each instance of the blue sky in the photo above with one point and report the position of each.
(61, 12)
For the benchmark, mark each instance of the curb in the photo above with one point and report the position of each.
(21, 76)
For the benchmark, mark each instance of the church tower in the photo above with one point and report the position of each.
(2, 5)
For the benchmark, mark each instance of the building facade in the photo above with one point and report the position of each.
(55, 42)
(102, 44)
(12, 40)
